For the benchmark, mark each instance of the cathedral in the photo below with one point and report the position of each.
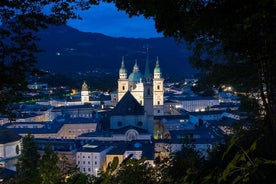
(147, 89)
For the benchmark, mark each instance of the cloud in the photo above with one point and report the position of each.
(106, 19)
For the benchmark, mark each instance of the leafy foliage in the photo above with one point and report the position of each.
(49, 170)
(28, 163)
(225, 35)
(234, 43)
(134, 171)
(18, 44)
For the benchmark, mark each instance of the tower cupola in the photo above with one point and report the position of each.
(123, 71)
(84, 87)
(157, 70)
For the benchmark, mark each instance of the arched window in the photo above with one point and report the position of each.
(123, 87)
(17, 149)
(158, 87)
(158, 102)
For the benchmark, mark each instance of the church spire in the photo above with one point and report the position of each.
(135, 67)
(157, 70)
(147, 74)
(123, 71)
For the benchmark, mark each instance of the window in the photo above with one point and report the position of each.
(95, 162)
(89, 169)
(120, 123)
(83, 162)
(84, 169)
(158, 102)
(89, 162)
(17, 149)
(158, 87)
(123, 87)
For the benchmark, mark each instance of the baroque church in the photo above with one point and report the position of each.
(143, 87)
(140, 98)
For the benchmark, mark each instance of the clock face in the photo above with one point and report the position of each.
(131, 135)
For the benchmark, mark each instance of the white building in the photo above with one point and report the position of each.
(10, 148)
(192, 104)
(141, 85)
(90, 158)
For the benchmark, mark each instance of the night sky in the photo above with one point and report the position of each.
(106, 19)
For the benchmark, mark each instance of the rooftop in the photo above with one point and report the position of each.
(128, 105)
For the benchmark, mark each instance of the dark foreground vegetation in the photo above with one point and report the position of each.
(233, 42)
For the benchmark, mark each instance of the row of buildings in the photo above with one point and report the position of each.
(140, 120)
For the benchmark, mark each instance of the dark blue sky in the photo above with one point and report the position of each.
(106, 19)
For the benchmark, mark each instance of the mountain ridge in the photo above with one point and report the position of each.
(67, 50)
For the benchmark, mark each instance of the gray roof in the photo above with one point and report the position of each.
(8, 135)
(128, 105)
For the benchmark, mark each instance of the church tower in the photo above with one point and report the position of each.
(158, 91)
(123, 81)
(84, 93)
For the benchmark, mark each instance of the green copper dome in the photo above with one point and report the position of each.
(123, 69)
(135, 76)
(157, 68)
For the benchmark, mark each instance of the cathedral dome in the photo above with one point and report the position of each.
(135, 77)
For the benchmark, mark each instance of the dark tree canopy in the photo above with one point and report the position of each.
(222, 31)
(19, 21)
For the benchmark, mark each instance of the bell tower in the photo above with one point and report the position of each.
(84, 93)
(123, 81)
(158, 90)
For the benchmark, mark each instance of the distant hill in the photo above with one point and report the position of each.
(68, 50)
